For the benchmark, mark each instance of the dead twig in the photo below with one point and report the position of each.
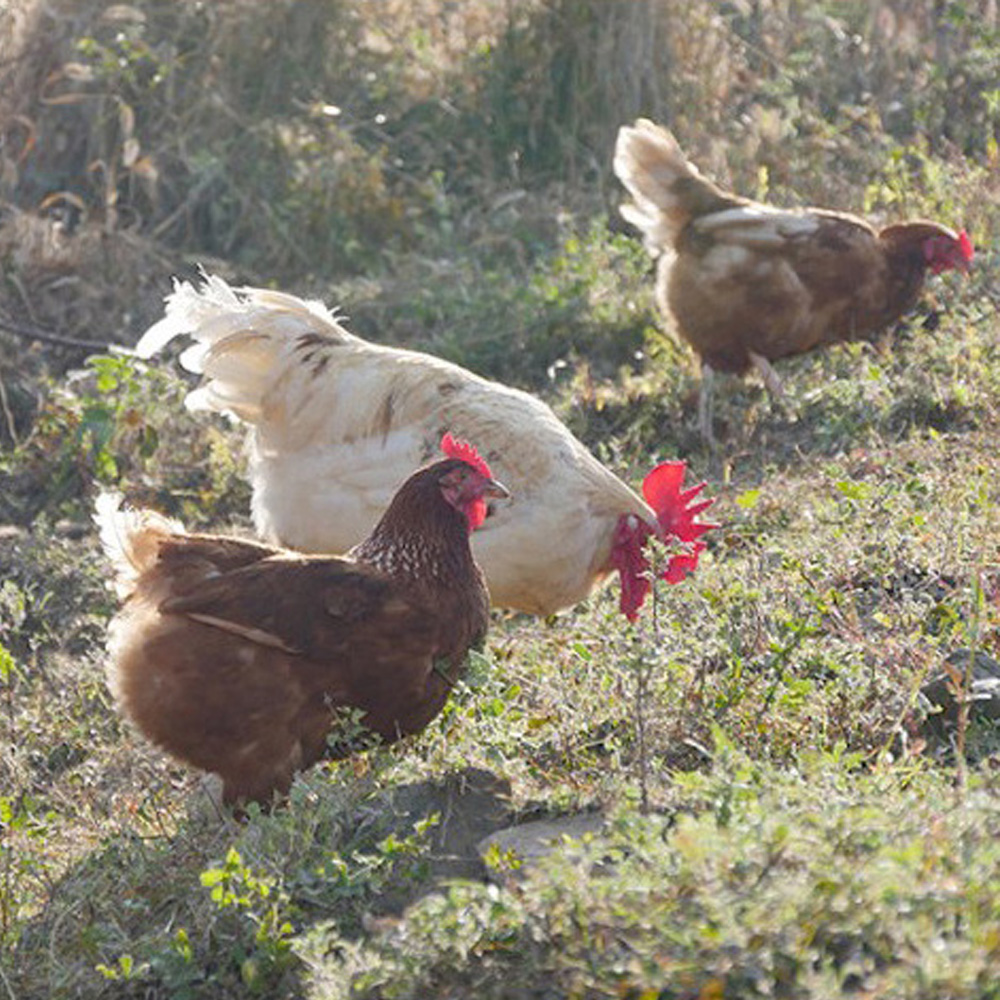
(29, 332)
(8, 413)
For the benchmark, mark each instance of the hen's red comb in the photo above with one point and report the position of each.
(456, 448)
(965, 246)
(675, 509)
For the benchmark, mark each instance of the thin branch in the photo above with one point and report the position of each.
(7, 412)
(7, 987)
(34, 333)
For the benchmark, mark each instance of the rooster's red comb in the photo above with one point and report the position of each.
(675, 508)
(456, 448)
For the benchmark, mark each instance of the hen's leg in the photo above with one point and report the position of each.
(705, 403)
(768, 374)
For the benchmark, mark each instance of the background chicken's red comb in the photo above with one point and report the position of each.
(462, 450)
(965, 246)
(675, 509)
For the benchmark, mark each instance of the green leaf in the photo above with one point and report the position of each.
(149, 441)
(7, 666)
(854, 490)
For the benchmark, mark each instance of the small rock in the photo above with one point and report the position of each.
(528, 843)
(471, 803)
(984, 690)
(72, 530)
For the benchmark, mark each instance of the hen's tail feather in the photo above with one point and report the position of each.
(667, 190)
(130, 538)
(245, 340)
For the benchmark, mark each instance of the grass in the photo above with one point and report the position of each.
(803, 834)
(753, 881)
(780, 822)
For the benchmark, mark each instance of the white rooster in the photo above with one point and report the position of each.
(337, 424)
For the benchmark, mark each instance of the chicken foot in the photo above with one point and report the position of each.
(705, 404)
(772, 381)
(769, 375)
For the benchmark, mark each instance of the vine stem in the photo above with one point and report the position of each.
(642, 677)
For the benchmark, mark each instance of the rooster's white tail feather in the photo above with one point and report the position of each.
(246, 341)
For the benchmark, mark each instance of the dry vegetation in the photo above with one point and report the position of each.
(442, 171)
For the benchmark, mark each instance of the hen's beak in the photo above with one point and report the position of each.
(495, 489)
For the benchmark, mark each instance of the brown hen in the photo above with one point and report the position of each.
(239, 658)
(748, 284)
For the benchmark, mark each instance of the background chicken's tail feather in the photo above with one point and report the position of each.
(130, 538)
(667, 190)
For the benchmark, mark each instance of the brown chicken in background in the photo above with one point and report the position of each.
(748, 284)
(237, 657)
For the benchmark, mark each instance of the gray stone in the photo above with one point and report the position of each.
(527, 843)
(984, 690)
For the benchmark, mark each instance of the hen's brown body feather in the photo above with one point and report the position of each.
(839, 281)
(236, 657)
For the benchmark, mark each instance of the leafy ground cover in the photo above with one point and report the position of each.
(781, 818)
